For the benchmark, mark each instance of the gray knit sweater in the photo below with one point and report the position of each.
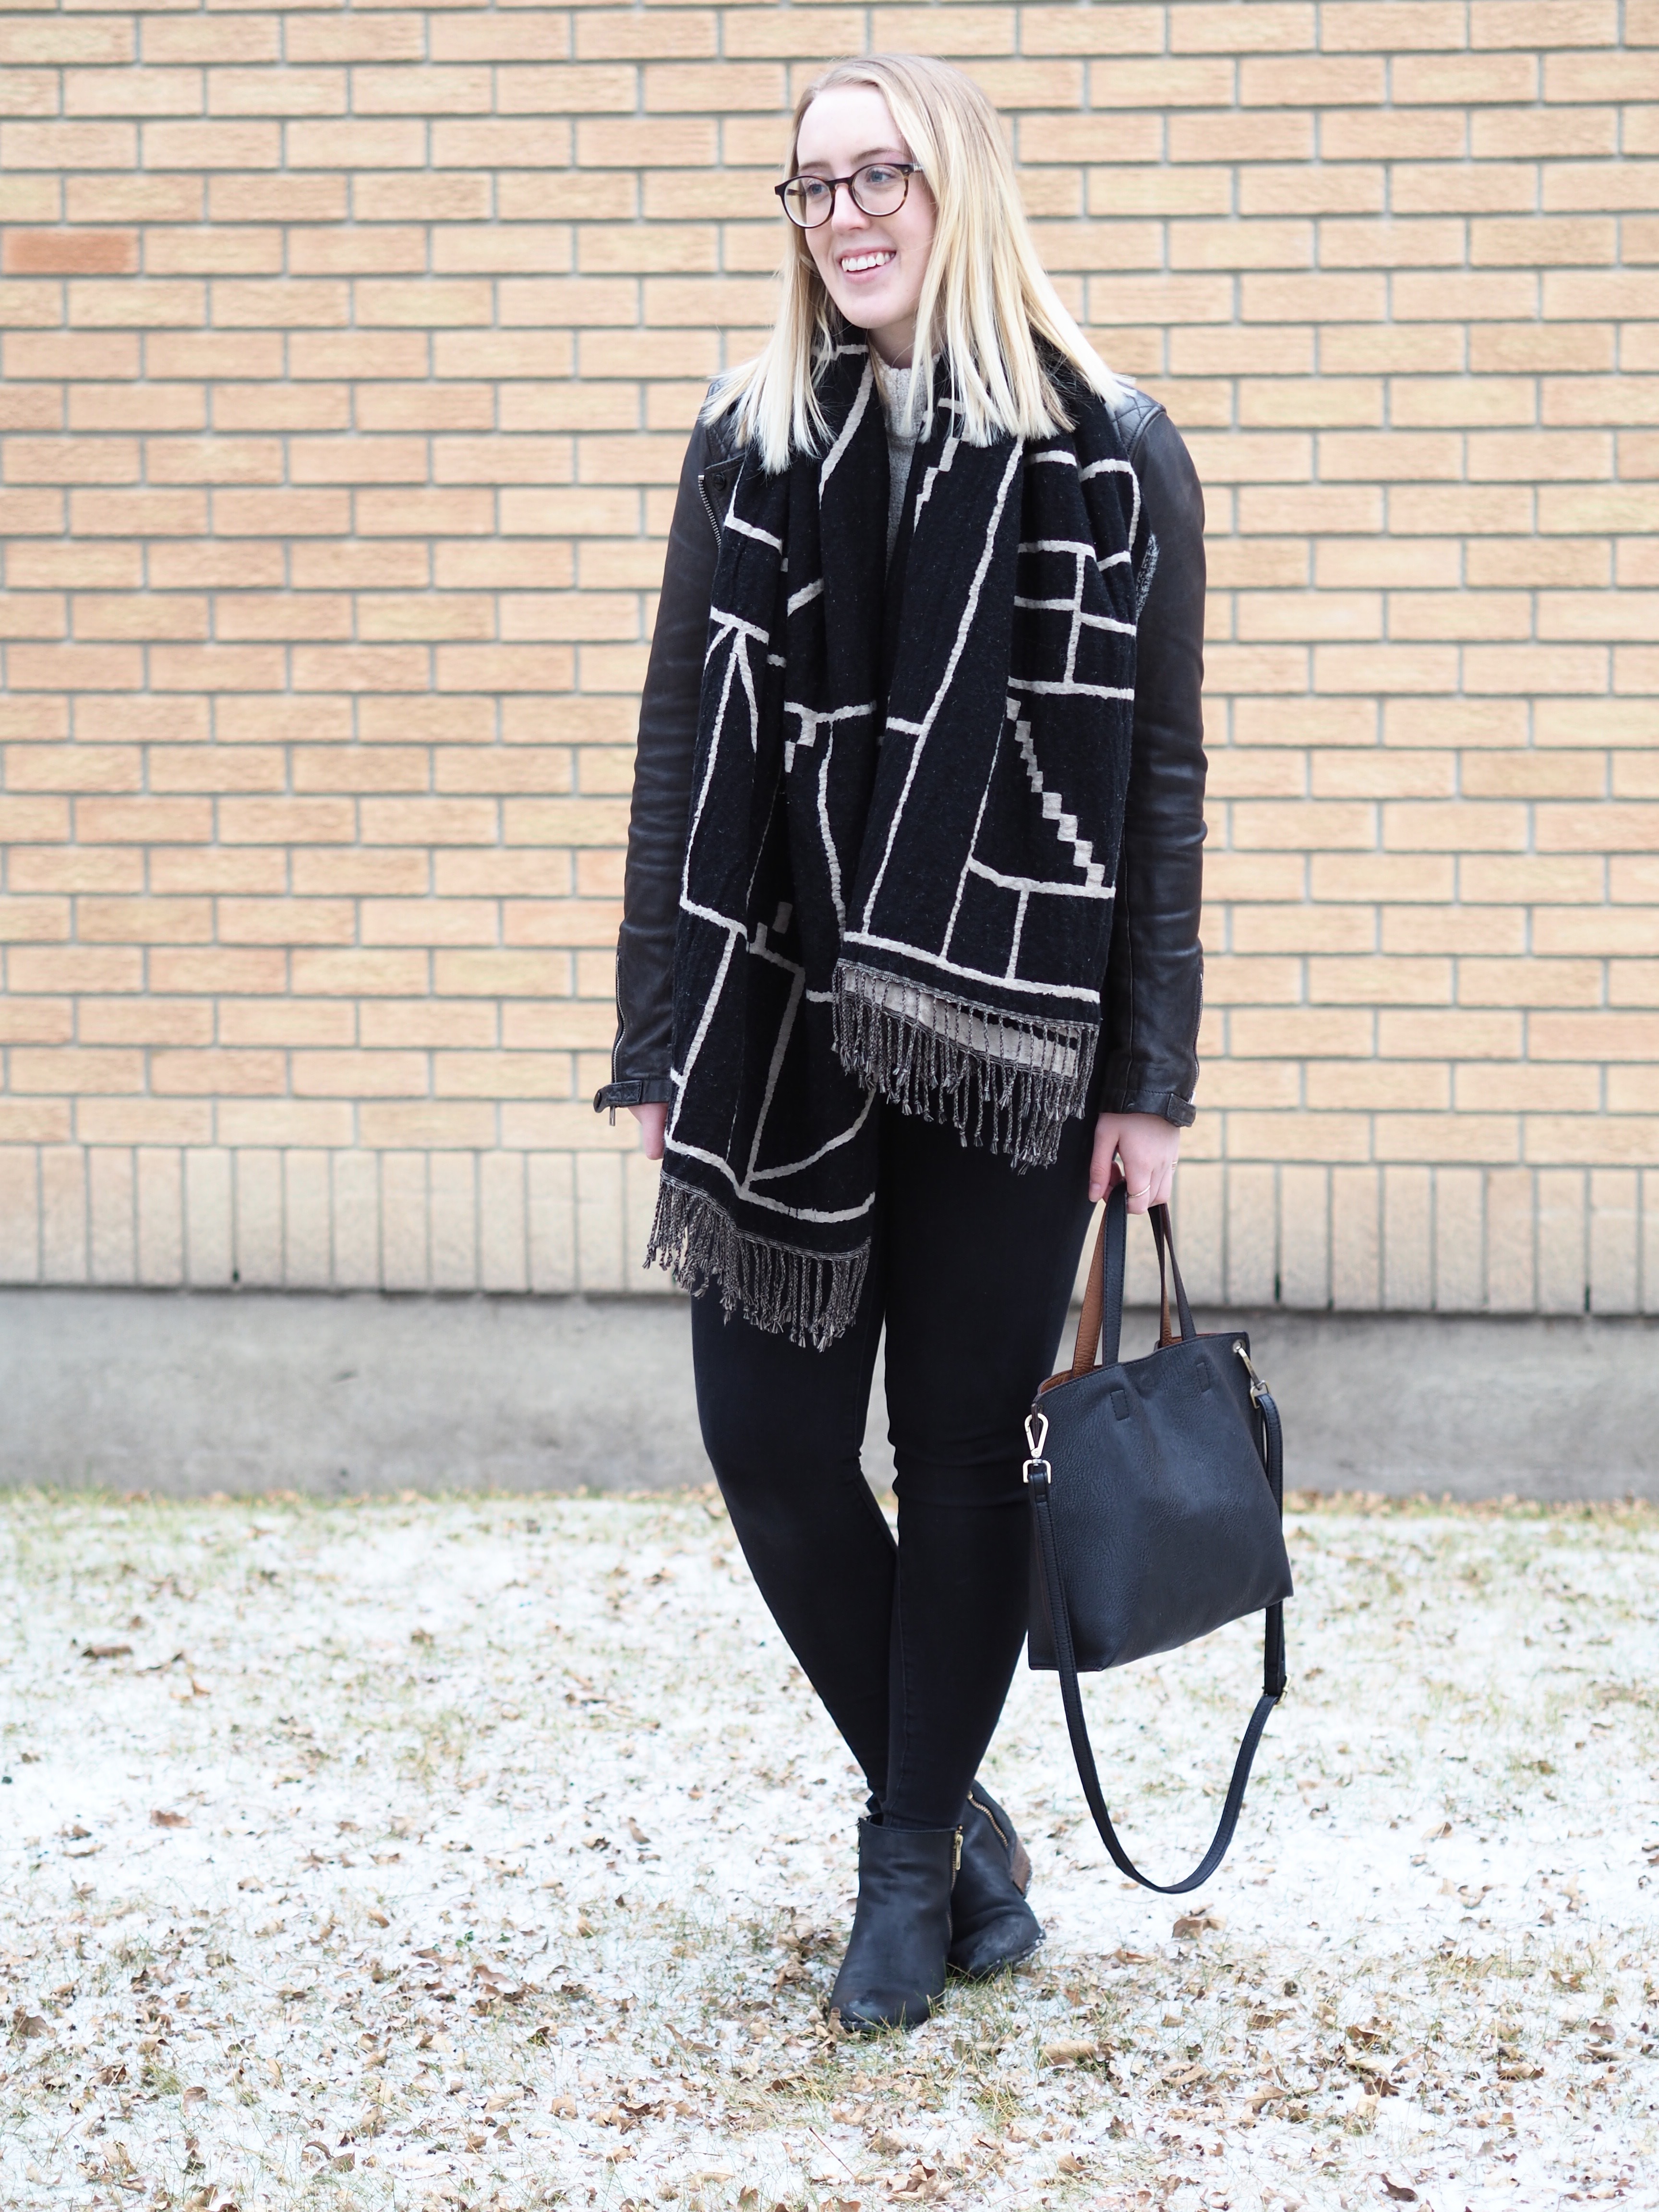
(894, 386)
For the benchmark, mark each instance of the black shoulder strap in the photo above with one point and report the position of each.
(1271, 1444)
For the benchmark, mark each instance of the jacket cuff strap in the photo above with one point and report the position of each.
(634, 1090)
(1170, 1105)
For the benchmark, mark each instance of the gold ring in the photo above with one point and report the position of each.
(1142, 1192)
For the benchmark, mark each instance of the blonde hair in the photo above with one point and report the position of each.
(985, 299)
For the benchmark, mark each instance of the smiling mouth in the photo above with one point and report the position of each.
(856, 265)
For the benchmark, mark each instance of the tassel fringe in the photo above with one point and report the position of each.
(811, 1298)
(1002, 1080)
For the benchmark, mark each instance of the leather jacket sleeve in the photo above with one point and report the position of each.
(661, 808)
(1153, 982)
(1155, 968)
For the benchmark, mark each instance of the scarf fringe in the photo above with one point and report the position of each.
(811, 1298)
(1009, 1082)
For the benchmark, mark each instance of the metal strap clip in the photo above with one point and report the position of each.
(1036, 1435)
(1258, 1389)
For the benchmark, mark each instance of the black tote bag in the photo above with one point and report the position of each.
(1156, 1490)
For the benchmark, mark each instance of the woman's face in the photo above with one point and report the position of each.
(873, 266)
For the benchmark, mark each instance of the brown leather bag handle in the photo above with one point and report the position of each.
(1103, 1297)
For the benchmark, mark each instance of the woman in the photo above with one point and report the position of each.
(909, 971)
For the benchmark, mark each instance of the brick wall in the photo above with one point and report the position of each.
(347, 358)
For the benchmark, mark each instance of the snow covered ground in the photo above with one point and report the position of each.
(491, 1853)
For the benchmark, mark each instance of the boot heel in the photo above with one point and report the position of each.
(992, 1926)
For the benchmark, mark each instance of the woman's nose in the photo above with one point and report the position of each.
(847, 214)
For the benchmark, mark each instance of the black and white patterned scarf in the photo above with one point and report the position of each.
(903, 835)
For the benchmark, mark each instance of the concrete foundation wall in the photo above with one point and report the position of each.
(186, 1395)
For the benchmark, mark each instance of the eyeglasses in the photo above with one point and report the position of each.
(879, 188)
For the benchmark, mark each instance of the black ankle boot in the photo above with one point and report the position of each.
(894, 1972)
(992, 1926)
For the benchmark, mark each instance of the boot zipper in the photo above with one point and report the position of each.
(956, 1855)
(991, 1817)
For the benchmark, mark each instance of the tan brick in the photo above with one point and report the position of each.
(427, 921)
(286, 921)
(54, 145)
(1378, 1086)
(1259, 929)
(39, 921)
(1532, 877)
(386, 37)
(126, 1121)
(1131, 83)
(1491, 1137)
(257, 1226)
(288, 196)
(1534, 982)
(1114, 136)
(190, 869)
(1400, 134)
(1461, 187)
(429, 1124)
(283, 1122)
(333, 871)
(1436, 509)
(74, 1071)
(215, 970)
(389, 143)
(661, 143)
(1596, 931)
(419, 1022)
(1420, 1032)
(1494, 932)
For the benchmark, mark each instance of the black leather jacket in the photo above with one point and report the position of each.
(1148, 1062)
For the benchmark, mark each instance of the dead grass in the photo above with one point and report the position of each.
(506, 1861)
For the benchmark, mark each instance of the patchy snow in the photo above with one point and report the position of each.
(491, 1853)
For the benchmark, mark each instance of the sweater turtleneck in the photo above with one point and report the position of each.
(894, 386)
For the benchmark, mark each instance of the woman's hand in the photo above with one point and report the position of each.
(653, 1121)
(1138, 1148)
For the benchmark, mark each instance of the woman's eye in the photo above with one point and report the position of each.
(812, 190)
(877, 176)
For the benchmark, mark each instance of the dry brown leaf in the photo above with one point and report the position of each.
(159, 1818)
(1192, 1924)
(636, 1832)
(1437, 1835)
(1071, 2051)
(107, 1651)
(1398, 2190)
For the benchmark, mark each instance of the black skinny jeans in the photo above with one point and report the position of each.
(911, 1646)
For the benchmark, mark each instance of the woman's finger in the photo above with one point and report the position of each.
(1103, 1168)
